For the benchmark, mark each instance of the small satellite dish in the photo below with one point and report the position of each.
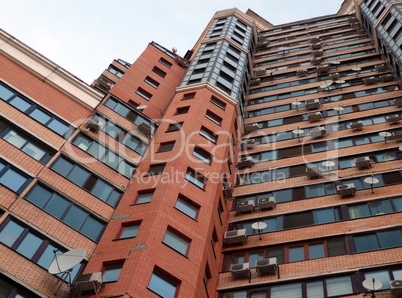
(66, 261)
(372, 284)
(174, 50)
(141, 107)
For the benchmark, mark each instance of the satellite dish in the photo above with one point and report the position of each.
(372, 284)
(66, 261)
(141, 107)
(174, 50)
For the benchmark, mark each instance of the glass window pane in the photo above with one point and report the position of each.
(5, 93)
(13, 180)
(20, 103)
(313, 191)
(129, 231)
(29, 245)
(338, 286)
(58, 127)
(126, 169)
(358, 211)
(102, 190)
(34, 151)
(380, 207)
(253, 257)
(397, 274)
(382, 276)
(75, 217)
(316, 251)
(315, 289)
(39, 196)
(10, 233)
(96, 150)
(112, 159)
(296, 254)
(82, 142)
(366, 242)
(62, 166)
(162, 286)
(56, 206)
(112, 273)
(47, 257)
(176, 242)
(92, 228)
(324, 216)
(114, 198)
(40, 116)
(13, 138)
(398, 204)
(288, 291)
(78, 176)
(144, 197)
(187, 208)
(390, 238)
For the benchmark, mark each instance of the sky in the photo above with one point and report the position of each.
(84, 36)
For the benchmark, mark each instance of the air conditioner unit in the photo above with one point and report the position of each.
(247, 144)
(245, 162)
(240, 270)
(318, 53)
(312, 104)
(314, 117)
(355, 25)
(255, 82)
(105, 83)
(386, 78)
(380, 68)
(316, 46)
(260, 72)
(227, 190)
(181, 61)
(302, 73)
(263, 44)
(361, 31)
(90, 282)
(397, 135)
(145, 128)
(323, 69)
(396, 287)
(266, 266)
(251, 127)
(313, 172)
(356, 125)
(335, 76)
(245, 206)
(267, 203)
(398, 101)
(369, 81)
(235, 237)
(345, 190)
(93, 124)
(315, 39)
(363, 162)
(392, 119)
(352, 20)
(316, 61)
(318, 132)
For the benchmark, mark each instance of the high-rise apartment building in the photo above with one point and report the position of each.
(263, 163)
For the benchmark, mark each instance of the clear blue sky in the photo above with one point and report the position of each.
(84, 36)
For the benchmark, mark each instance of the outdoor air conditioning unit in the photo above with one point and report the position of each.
(245, 162)
(397, 135)
(369, 81)
(266, 266)
(251, 127)
(352, 20)
(392, 119)
(90, 282)
(356, 125)
(260, 72)
(240, 270)
(361, 31)
(318, 132)
(145, 128)
(363, 162)
(247, 144)
(227, 190)
(255, 82)
(355, 25)
(313, 172)
(235, 237)
(105, 83)
(398, 101)
(181, 61)
(323, 69)
(386, 78)
(314, 117)
(345, 190)
(316, 61)
(315, 39)
(267, 203)
(335, 76)
(93, 124)
(263, 44)
(316, 46)
(396, 287)
(318, 53)
(245, 206)
(380, 68)
(312, 104)
(302, 73)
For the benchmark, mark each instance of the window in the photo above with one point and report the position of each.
(152, 82)
(104, 155)
(218, 102)
(144, 94)
(88, 181)
(165, 62)
(117, 72)
(111, 271)
(187, 96)
(32, 110)
(209, 135)
(182, 110)
(64, 210)
(13, 178)
(126, 111)
(129, 230)
(159, 71)
(176, 241)
(195, 178)
(25, 142)
(144, 196)
(213, 117)
(31, 244)
(156, 169)
(174, 127)
(166, 146)
(162, 284)
(202, 154)
(379, 240)
(187, 206)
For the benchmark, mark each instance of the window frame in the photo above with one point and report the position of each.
(187, 205)
(109, 266)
